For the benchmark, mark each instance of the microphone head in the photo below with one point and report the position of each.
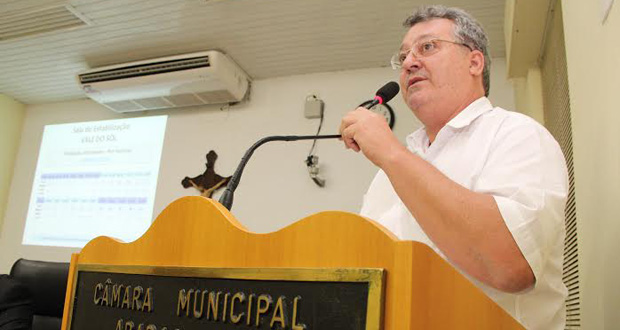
(388, 91)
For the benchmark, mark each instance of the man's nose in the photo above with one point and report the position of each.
(411, 62)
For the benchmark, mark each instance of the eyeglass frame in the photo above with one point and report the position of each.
(397, 65)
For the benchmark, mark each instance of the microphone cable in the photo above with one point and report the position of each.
(312, 161)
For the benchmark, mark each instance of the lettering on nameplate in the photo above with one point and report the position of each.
(187, 298)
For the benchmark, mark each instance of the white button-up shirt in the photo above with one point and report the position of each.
(513, 158)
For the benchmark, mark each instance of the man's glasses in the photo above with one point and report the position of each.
(420, 50)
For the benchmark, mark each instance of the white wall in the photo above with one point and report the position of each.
(276, 189)
(528, 94)
(11, 122)
(593, 58)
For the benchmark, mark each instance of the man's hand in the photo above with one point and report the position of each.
(364, 130)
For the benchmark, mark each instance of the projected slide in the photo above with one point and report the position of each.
(93, 179)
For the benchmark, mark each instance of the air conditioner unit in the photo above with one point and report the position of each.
(177, 81)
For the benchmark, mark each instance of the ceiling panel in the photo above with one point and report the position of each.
(267, 38)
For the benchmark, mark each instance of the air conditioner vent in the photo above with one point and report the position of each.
(123, 106)
(146, 69)
(32, 23)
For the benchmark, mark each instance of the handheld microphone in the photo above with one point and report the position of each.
(383, 95)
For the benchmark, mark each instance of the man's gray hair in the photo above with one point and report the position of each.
(467, 30)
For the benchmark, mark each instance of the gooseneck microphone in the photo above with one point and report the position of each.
(383, 95)
(227, 197)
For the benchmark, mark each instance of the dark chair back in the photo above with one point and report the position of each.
(47, 282)
(16, 307)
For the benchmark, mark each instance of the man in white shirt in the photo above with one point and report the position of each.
(484, 187)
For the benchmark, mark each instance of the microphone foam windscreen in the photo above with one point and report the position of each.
(388, 91)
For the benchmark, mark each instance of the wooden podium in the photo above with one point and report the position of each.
(197, 237)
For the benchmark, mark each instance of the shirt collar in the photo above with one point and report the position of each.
(471, 112)
(418, 140)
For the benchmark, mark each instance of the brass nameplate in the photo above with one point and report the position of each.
(187, 298)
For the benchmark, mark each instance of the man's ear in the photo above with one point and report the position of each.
(476, 62)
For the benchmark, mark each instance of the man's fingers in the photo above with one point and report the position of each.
(346, 121)
(351, 144)
(348, 126)
(348, 135)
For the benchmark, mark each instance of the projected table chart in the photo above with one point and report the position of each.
(69, 207)
(95, 179)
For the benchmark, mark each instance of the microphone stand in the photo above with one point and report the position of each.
(227, 197)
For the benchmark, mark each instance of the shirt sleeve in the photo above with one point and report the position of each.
(526, 174)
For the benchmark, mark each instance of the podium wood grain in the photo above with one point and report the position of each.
(422, 290)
